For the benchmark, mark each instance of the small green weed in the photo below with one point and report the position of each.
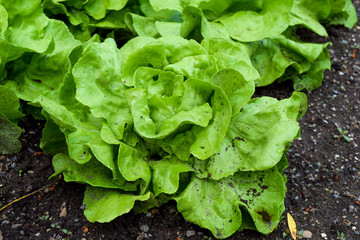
(342, 134)
(340, 235)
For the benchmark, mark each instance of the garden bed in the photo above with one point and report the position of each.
(323, 177)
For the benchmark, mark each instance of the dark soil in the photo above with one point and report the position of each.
(323, 177)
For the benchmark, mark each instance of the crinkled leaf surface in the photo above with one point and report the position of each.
(156, 54)
(97, 76)
(249, 26)
(159, 111)
(273, 57)
(81, 129)
(231, 55)
(98, 8)
(258, 136)
(44, 71)
(162, 64)
(26, 25)
(312, 79)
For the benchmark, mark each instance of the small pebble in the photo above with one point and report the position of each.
(5, 222)
(307, 234)
(29, 188)
(76, 220)
(190, 233)
(15, 226)
(141, 236)
(323, 235)
(356, 68)
(149, 214)
(31, 151)
(144, 228)
(37, 234)
(82, 207)
(336, 196)
(63, 212)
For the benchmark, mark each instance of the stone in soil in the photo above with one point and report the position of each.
(307, 234)
(190, 233)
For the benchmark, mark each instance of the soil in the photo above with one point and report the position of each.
(323, 177)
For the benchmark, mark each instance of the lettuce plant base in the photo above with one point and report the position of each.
(317, 162)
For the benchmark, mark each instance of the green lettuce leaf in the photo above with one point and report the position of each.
(220, 205)
(10, 115)
(98, 8)
(26, 26)
(169, 114)
(284, 58)
(10, 105)
(53, 141)
(258, 136)
(44, 72)
(81, 129)
(309, 13)
(346, 15)
(249, 26)
(133, 166)
(96, 75)
(98, 200)
(92, 173)
(10, 133)
(86, 17)
(166, 175)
